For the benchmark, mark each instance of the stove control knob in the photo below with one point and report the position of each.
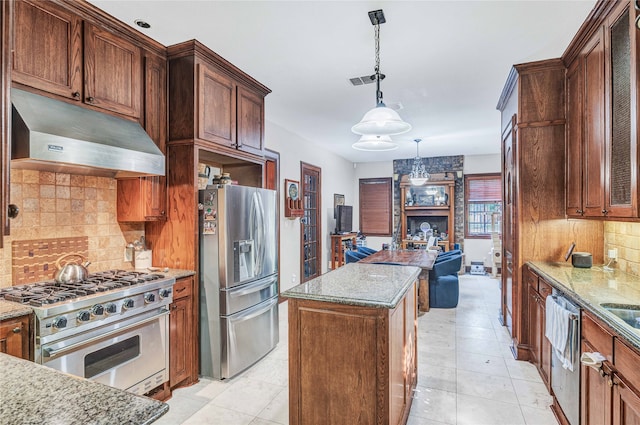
(149, 297)
(97, 310)
(165, 293)
(84, 316)
(60, 322)
(128, 303)
(111, 308)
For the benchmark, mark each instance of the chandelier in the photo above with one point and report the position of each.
(379, 121)
(419, 175)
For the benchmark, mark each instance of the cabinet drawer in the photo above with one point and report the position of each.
(626, 363)
(544, 289)
(183, 288)
(598, 337)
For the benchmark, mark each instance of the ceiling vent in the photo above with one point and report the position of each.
(359, 81)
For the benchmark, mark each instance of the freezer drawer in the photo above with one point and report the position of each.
(241, 297)
(248, 336)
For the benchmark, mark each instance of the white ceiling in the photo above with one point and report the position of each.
(445, 61)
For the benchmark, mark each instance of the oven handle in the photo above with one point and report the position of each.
(48, 352)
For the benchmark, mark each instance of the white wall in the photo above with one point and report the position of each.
(369, 170)
(478, 249)
(337, 177)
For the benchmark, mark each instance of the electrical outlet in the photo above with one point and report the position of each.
(293, 278)
(613, 253)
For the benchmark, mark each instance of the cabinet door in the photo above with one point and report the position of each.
(5, 120)
(620, 184)
(47, 48)
(14, 337)
(216, 107)
(626, 404)
(155, 99)
(534, 326)
(250, 121)
(594, 134)
(575, 122)
(180, 349)
(141, 199)
(595, 393)
(112, 72)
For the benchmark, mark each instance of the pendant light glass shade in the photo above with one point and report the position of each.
(419, 175)
(375, 144)
(381, 121)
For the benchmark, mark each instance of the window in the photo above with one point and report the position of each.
(483, 205)
(376, 207)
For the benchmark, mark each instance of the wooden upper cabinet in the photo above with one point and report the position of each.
(112, 72)
(593, 148)
(250, 120)
(52, 53)
(47, 48)
(213, 101)
(621, 75)
(575, 92)
(603, 115)
(216, 107)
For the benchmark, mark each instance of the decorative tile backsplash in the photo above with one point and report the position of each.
(624, 236)
(59, 205)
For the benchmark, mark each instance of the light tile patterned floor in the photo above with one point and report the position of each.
(466, 375)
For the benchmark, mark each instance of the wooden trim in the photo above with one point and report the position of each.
(6, 11)
(270, 180)
(203, 53)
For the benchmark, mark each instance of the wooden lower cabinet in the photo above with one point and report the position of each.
(610, 396)
(181, 334)
(351, 364)
(540, 345)
(14, 337)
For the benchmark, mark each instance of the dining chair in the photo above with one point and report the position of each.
(366, 250)
(444, 290)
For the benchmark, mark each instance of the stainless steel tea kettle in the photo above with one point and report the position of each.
(72, 271)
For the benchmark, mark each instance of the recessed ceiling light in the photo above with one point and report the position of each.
(142, 24)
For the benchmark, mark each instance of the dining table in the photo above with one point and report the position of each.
(423, 258)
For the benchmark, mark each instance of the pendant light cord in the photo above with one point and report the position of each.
(378, 76)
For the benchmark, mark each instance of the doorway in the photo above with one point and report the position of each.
(311, 229)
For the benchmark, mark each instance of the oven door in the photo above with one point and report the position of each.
(131, 355)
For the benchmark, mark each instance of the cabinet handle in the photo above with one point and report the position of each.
(76, 94)
(604, 212)
(16, 330)
(610, 382)
(579, 212)
(90, 99)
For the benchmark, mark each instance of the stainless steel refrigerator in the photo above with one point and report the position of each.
(238, 278)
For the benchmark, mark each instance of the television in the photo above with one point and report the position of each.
(344, 219)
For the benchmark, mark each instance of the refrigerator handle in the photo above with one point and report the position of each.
(256, 234)
(261, 234)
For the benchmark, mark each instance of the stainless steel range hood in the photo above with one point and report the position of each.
(52, 135)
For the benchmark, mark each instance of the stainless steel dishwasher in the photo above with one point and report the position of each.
(564, 382)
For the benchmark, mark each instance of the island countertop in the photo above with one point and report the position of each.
(34, 394)
(367, 285)
(591, 287)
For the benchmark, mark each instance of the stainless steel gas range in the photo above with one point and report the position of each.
(112, 327)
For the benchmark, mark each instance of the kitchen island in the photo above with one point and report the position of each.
(35, 394)
(353, 345)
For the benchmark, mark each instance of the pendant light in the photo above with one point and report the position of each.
(419, 175)
(380, 121)
(375, 143)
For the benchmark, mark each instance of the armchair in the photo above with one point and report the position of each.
(444, 287)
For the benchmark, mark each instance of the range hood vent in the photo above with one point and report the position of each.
(51, 135)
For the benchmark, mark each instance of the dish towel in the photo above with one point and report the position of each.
(561, 331)
(593, 360)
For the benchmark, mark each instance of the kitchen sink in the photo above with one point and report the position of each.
(629, 313)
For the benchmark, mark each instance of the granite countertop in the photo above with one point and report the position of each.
(367, 285)
(9, 310)
(177, 273)
(35, 394)
(589, 288)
